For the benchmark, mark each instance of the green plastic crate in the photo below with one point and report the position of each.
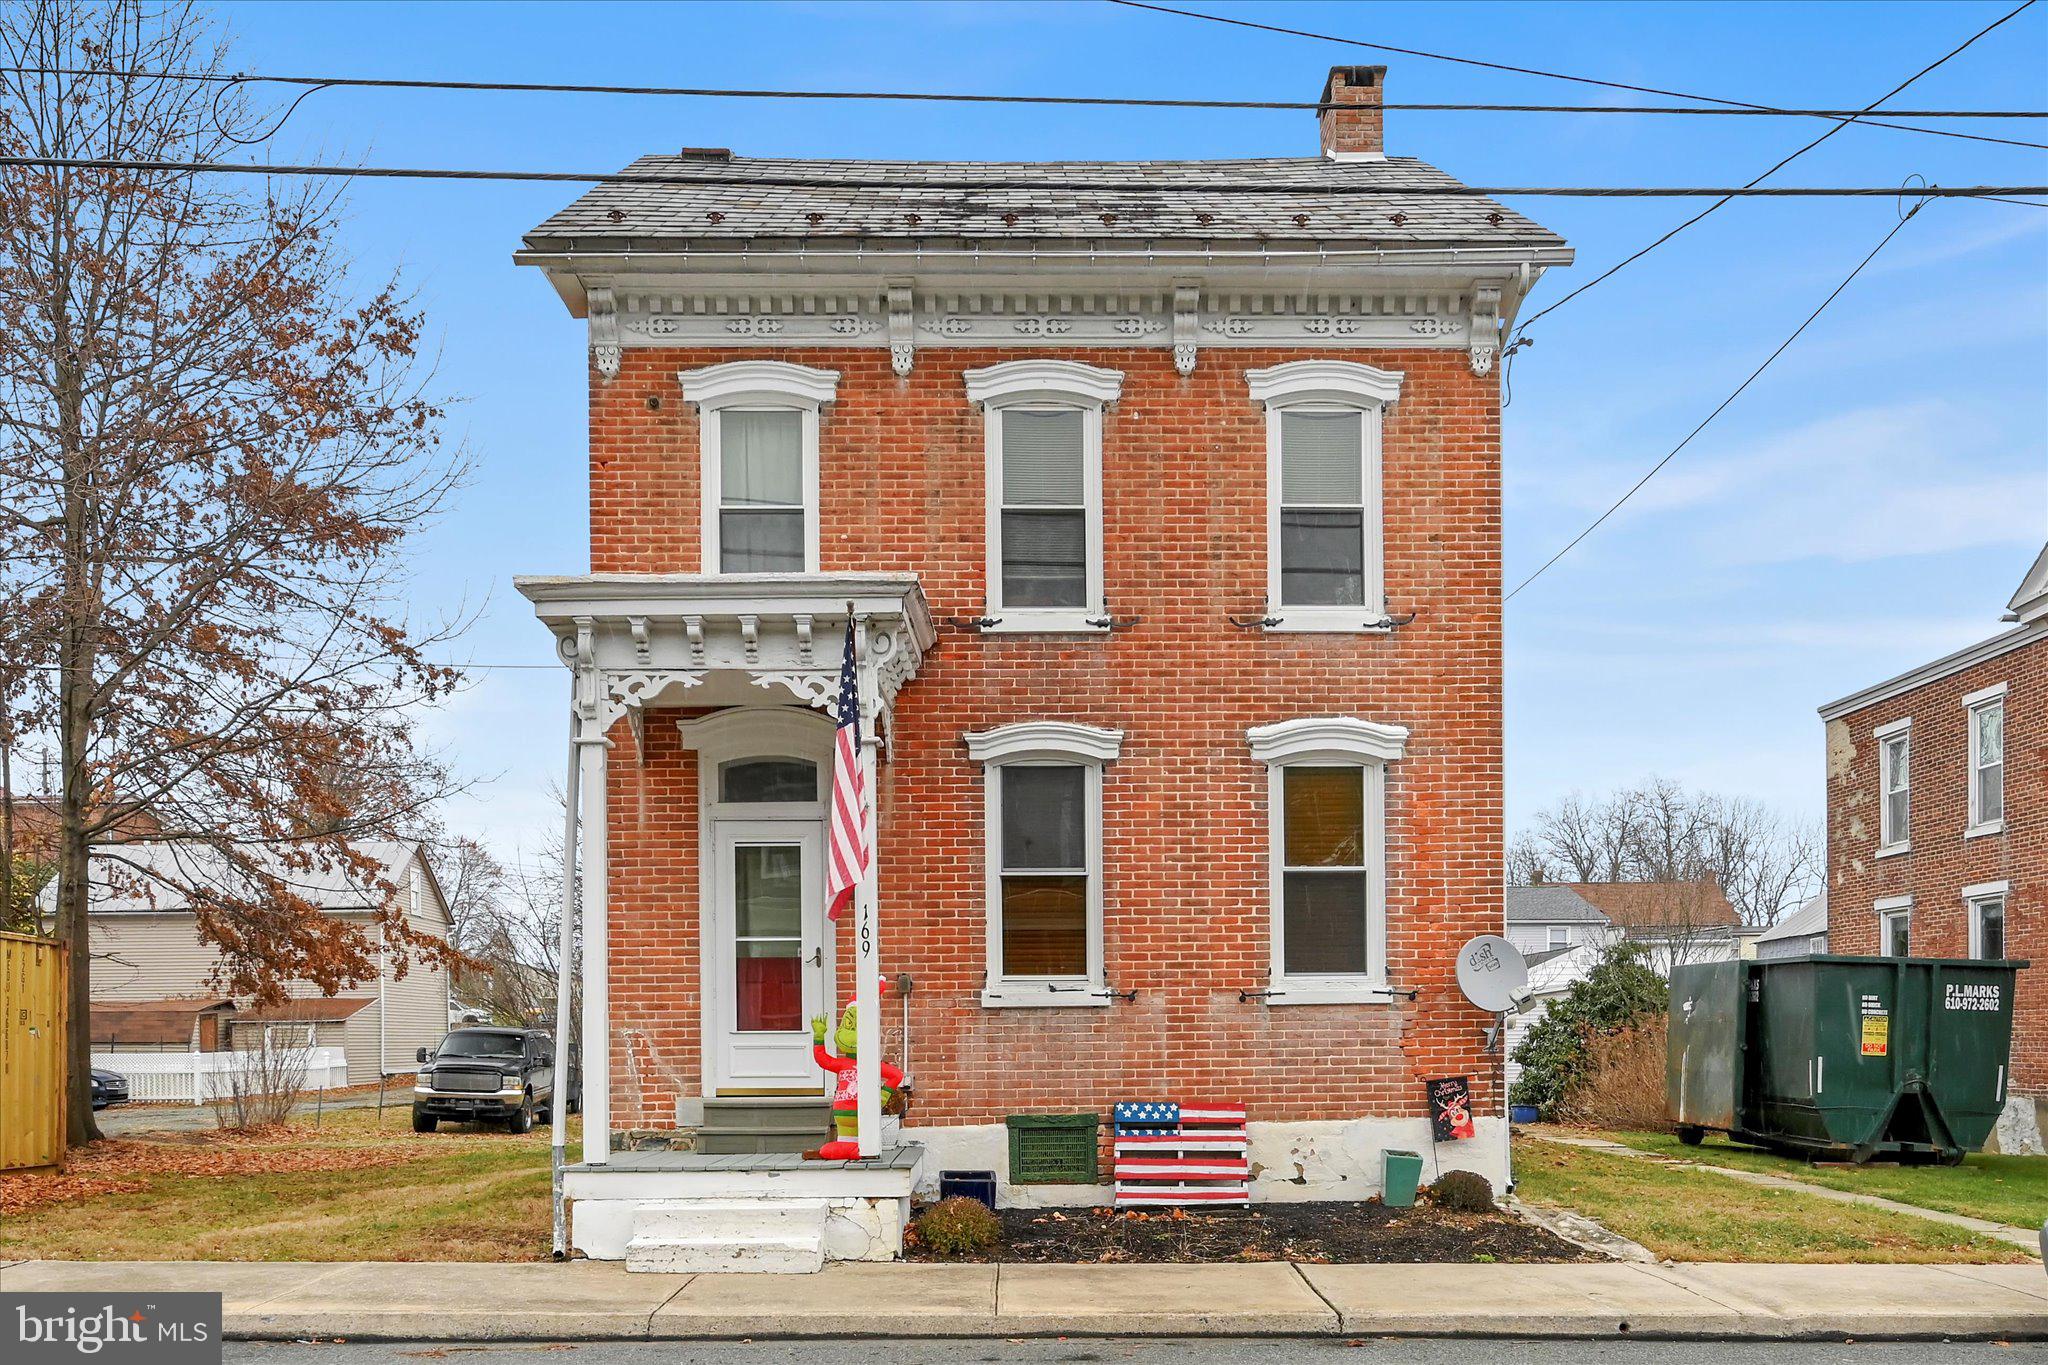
(1052, 1149)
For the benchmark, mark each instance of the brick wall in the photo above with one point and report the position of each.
(1941, 861)
(1185, 896)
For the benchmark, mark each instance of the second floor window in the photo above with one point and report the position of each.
(758, 424)
(1987, 764)
(761, 491)
(1895, 775)
(1044, 479)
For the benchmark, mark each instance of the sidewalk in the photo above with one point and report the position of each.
(591, 1300)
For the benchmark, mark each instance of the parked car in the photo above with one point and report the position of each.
(108, 1087)
(489, 1075)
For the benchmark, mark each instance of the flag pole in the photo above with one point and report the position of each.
(867, 972)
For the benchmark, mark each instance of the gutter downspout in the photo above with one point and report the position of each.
(558, 1107)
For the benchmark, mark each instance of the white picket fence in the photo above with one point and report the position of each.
(197, 1077)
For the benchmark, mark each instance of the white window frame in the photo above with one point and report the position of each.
(1817, 943)
(1975, 898)
(1041, 744)
(1888, 909)
(754, 386)
(1891, 842)
(1324, 386)
(1328, 742)
(1557, 936)
(1982, 700)
(1043, 384)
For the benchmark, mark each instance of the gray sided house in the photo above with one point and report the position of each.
(1803, 931)
(1553, 916)
(153, 988)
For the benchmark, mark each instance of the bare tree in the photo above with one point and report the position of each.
(214, 451)
(1657, 831)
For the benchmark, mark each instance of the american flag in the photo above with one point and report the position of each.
(847, 857)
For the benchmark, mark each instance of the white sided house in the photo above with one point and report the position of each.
(155, 996)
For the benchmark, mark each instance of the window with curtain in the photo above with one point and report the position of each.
(761, 491)
(1044, 873)
(1323, 871)
(1987, 763)
(1044, 516)
(1322, 509)
(1897, 937)
(1895, 760)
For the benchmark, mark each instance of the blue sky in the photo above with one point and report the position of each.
(1868, 505)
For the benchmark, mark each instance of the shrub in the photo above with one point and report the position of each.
(1619, 993)
(1623, 1083)
(1462, 1192)
(959, 1226)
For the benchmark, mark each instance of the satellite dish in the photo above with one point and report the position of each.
(1493, 975)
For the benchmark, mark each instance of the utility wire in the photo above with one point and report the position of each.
(1554, 75)
(632, 177)
(1522, 328)
(1719, 408)
(954, 97)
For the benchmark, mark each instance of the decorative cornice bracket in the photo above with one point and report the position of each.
(1187, 319)
(1484, 332)
(902, 341)
(601, 311)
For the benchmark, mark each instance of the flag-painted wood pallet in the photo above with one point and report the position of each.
(1170, 1153)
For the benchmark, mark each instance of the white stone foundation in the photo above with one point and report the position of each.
(2021, 1127)
(1296, 1162)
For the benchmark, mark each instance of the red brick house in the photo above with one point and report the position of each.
(1937, 825)
(1166, 497)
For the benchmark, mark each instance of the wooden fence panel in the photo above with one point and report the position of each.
(32, 1053)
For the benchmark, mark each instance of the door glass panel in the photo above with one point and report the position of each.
(768, 932)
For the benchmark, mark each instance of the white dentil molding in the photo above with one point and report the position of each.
(1324, 381)
(1014, 381)
(1045, 739)
(1340, 738)
(769, 380)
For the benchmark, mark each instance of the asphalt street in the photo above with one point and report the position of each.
(1265, 1351)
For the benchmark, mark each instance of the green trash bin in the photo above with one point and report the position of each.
(1843, 1058)
(1401, 1172)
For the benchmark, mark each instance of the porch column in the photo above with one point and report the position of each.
(592, 754)
(867, 952)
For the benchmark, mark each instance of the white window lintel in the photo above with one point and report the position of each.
(1984, 694)
(759, 381)
(1044, 380)
(1056, 740)
(1339, 739)
(1345, 382)
(1885, 905)
(1986, 890)
(1894, 727)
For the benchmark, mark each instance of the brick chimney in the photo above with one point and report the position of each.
(1354, 128)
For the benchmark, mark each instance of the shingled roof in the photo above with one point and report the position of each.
(1270, 200)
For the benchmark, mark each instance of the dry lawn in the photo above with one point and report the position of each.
(352, 1189)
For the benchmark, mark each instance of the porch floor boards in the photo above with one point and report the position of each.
(901, 1158)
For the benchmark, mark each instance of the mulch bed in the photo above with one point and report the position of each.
(1315, 1233)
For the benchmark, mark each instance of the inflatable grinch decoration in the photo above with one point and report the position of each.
(846, 1089)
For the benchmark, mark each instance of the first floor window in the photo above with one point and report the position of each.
(1560, 936)
(1043, 840)
(1045, 870)
(1896, 938)
(1324, 874)
(1326, 782)
(1987, 928)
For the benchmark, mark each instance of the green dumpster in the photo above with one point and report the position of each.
(1842, 1058)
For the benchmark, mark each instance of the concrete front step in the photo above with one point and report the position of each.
(766, 1235)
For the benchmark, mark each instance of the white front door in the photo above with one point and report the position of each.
(767, 959)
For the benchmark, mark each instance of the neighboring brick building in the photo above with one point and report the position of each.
(1937, 825)
(1169, 495)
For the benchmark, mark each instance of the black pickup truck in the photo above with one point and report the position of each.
(502, 1075)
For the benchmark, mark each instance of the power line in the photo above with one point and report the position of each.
(1719, 408)
(1551, 75)
(961, 97)
(1339, 190)
(1522, 328)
